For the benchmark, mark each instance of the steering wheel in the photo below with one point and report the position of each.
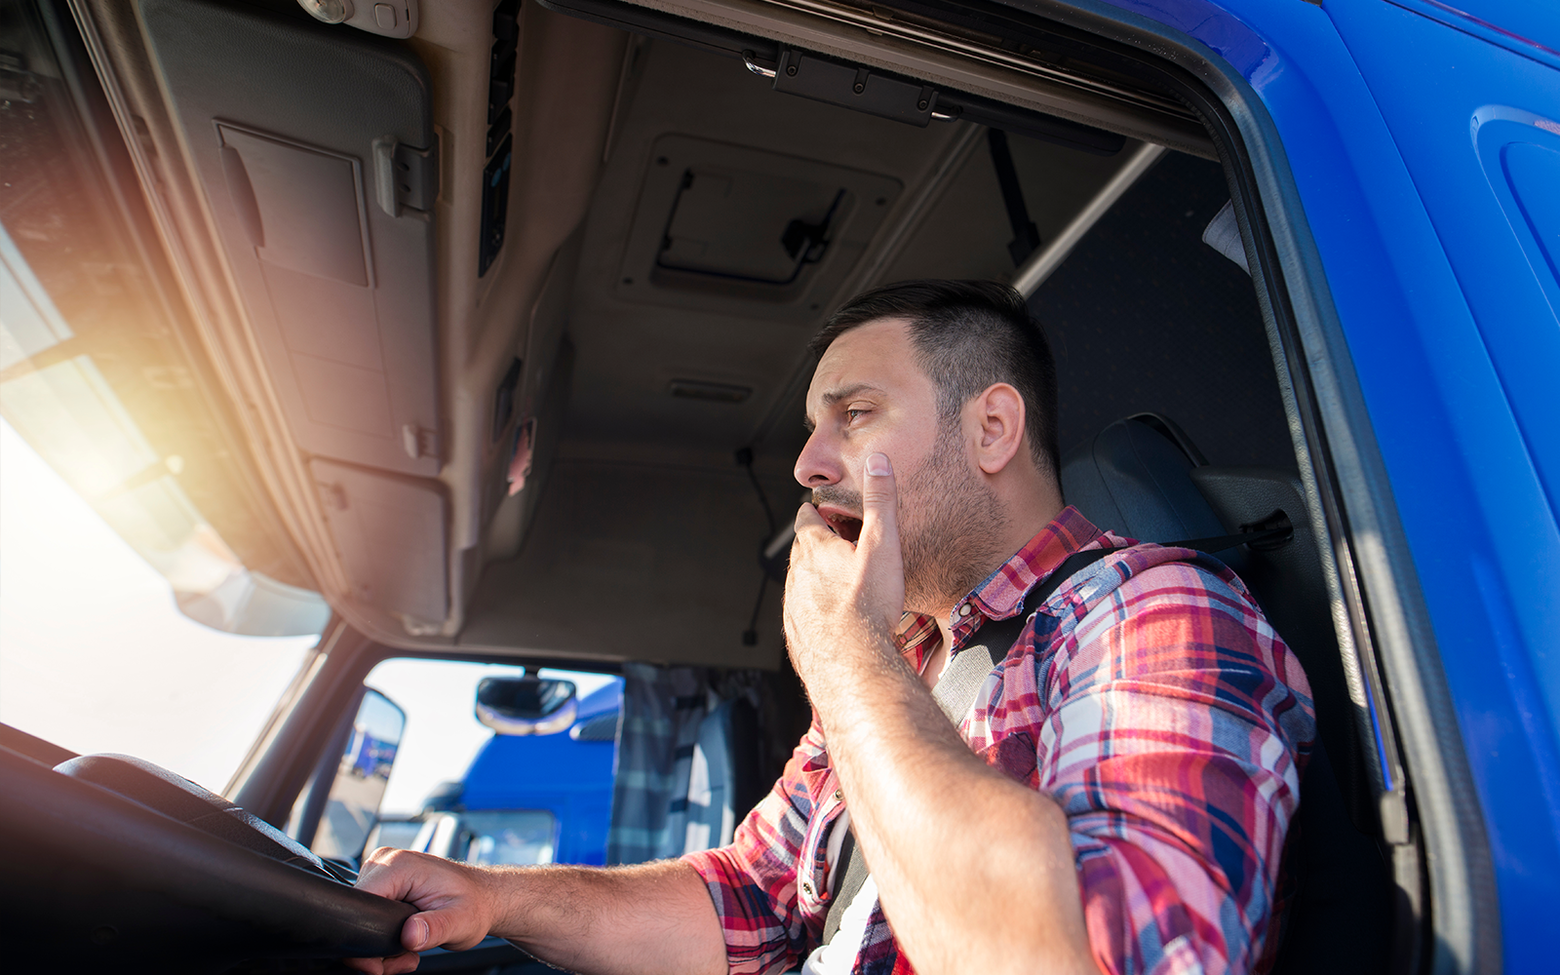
(115, 863)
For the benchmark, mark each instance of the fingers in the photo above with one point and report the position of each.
(451, 914)
(394, 965)
(879, 506)
(879, 543)
(807, 516)
(402, 963)
(415, 932)
(444, 928)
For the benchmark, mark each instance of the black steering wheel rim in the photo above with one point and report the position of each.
(97, 877)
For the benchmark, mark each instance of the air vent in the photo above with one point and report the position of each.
(748, 224)
(711, 392)
(501, 89)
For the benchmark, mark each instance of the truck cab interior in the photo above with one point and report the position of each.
(482, 330)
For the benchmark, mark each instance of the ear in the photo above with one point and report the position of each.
(997, 415)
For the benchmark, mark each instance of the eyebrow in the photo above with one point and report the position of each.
(835, 395)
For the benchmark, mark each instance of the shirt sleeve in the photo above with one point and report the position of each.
(753, 881)
(1177, 726)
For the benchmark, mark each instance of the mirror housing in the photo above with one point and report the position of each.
(526, 705)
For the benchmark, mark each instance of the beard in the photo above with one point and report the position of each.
(950, 524)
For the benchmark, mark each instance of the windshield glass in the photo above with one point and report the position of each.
(95, 655)
(104, 375)
(133, 528)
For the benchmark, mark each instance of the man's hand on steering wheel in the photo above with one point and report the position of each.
(455, 907)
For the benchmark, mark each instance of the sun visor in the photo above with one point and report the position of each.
(315, 148)
(390, 535)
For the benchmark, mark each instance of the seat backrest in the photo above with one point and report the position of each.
(724, 773)
(1133, 479)
(1143, 478)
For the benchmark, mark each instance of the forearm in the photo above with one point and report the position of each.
(646, 919)
(974, 870)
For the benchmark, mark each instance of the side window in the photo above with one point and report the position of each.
(479, 762)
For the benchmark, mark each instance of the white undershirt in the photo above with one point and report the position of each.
(838, 957)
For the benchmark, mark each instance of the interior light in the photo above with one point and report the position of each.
(329, 11)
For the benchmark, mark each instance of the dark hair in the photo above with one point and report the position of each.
(968, 335)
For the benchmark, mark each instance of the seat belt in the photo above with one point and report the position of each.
(967, 671)
(955, 693)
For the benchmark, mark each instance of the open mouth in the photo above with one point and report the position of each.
(844, 525)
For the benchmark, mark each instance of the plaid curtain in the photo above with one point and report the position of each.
(663, 708)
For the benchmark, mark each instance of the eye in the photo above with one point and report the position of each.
(852, 412)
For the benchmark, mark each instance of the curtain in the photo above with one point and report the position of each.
(663, 708)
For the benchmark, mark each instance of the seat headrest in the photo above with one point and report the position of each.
(1133, 478)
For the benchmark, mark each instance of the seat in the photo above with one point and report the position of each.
(1143, 478)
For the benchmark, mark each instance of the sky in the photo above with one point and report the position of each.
(96, 657)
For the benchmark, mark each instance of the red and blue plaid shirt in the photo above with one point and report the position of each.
(1150, 699)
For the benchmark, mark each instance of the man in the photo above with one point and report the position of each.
(1120, 793)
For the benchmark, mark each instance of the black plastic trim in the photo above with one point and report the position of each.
(734, 44)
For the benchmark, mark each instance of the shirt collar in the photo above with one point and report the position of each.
(1001, 596)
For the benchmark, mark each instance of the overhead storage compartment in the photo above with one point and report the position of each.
(316, 151)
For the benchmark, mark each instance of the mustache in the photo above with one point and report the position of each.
(836, 495)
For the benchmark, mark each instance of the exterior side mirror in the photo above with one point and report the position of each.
(526, 705)
(362, 773)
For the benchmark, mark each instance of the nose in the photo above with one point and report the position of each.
(818, 464)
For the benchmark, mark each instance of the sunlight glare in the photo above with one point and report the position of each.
(94, 653)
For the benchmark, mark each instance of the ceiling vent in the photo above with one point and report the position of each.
(746, 226)
(711, 392)
(747, 223)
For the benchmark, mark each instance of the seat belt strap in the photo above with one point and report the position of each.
(967, 671)
(955, 693)
(849, 886)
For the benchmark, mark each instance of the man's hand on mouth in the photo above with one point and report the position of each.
(845, 590)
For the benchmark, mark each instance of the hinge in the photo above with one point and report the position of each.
(405, 178)
(419, 442)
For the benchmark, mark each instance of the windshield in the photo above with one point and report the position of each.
(145, 587)
(102, 374)
(95, 655)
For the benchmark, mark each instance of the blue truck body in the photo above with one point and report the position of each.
(569, 775)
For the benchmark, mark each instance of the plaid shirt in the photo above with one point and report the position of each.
(1150, 699)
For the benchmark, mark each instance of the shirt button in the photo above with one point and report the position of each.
(964, 610)
(806, 887)
(839, 793)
